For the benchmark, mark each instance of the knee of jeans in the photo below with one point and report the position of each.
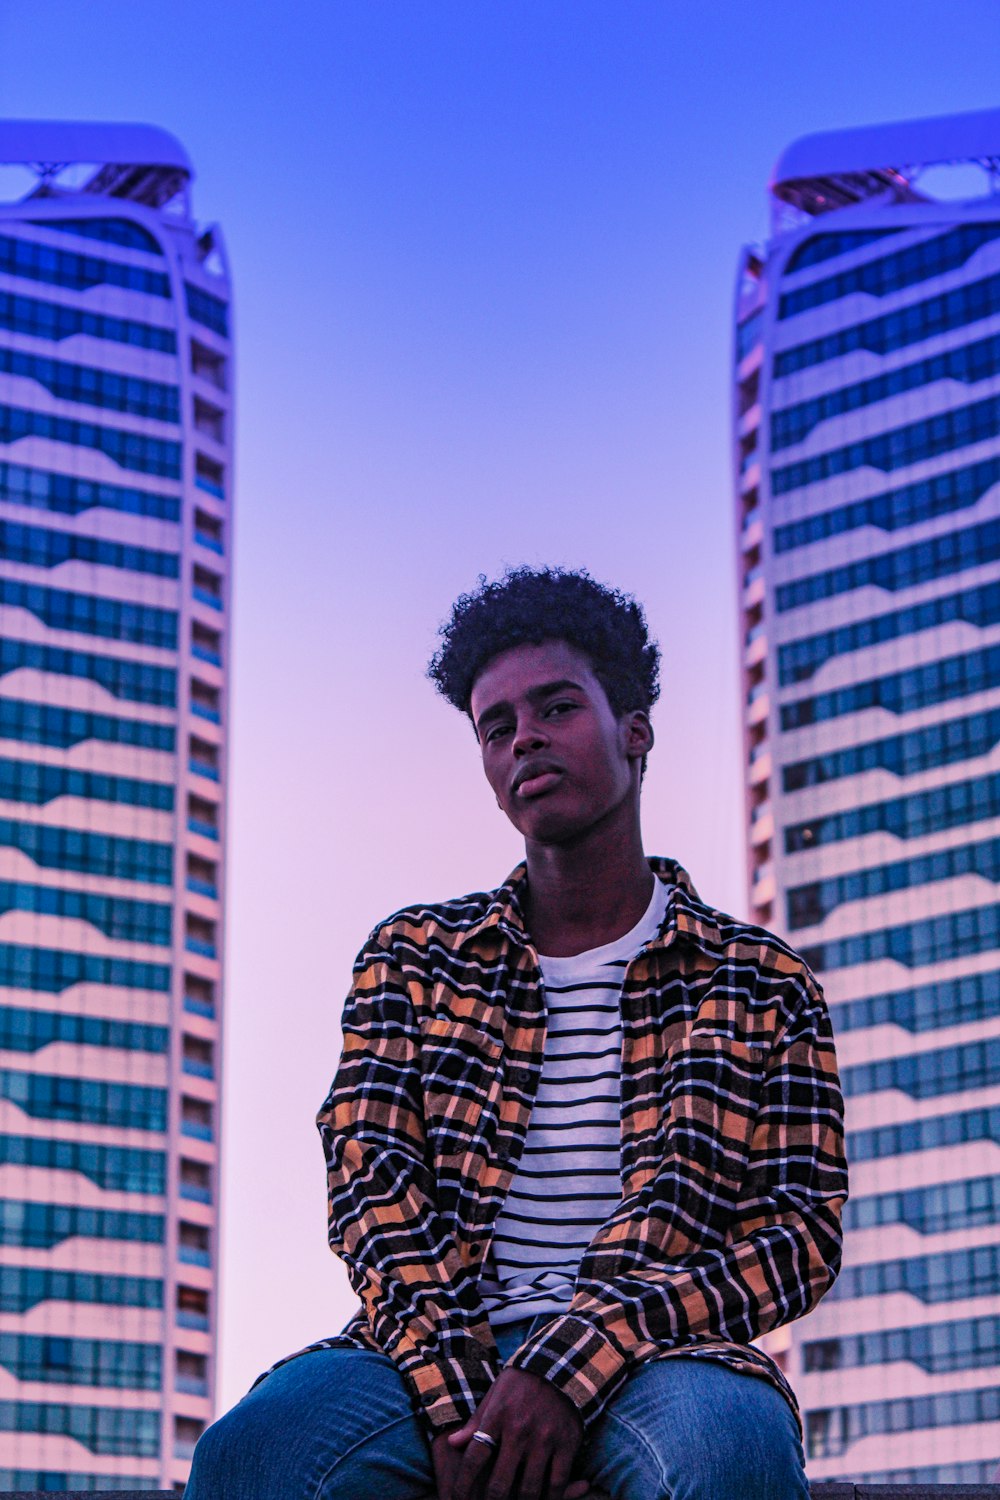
(754, 1455)
(215, 1455)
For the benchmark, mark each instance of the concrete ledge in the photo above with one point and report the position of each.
(830, 1491)
(905, 1491)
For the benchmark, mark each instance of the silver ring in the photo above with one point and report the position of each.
(484, 1437)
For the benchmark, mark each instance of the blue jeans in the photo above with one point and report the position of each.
(340, 1424)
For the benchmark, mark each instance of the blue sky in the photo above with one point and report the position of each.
(484, 258)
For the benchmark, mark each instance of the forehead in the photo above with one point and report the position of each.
(514, 673)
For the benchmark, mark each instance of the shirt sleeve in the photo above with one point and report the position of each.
(780, 1254)
(421, 1301)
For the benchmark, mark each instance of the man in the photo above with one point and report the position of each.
(584, 1144)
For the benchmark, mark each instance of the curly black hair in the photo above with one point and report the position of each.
(531, 605)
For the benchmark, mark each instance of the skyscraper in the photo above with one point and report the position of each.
(867, 440)
(115, 539)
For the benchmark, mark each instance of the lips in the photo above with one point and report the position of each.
(536, 777)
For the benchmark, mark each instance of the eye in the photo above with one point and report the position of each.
(560, 707)
(496, 732)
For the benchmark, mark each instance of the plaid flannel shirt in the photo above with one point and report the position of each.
(732, 1154)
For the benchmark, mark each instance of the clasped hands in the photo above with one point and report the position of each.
(538, 1433)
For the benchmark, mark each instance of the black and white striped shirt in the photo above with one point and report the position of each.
(569, 1177)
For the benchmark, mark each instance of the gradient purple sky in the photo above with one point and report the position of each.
(484, 254)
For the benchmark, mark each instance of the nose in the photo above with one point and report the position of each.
(528, 736)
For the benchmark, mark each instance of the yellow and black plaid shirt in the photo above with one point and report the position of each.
(732, 1155)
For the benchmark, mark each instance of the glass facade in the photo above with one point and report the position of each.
(115, 373)
(867, 346)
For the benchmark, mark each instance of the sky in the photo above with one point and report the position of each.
(484, 255)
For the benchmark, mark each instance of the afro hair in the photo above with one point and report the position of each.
(528, 606)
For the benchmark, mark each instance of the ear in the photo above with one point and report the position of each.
(638, 732)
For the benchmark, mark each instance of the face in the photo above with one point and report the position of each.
(553, 751)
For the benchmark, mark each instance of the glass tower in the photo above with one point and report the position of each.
(867, 481)
(115, 538)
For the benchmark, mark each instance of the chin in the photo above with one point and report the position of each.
(552, 827)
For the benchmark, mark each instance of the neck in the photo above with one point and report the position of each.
(589, 892)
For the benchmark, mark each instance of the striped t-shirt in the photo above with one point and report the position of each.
(568, 1180)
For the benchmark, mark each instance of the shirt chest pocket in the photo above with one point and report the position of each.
(460, 1068)
(715, 1085)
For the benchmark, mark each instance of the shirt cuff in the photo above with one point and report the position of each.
(578, 1359)
(450, 1390)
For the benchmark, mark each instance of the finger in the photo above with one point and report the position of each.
(476, 1459)
(533, 1485)
(502, 1483)
(444, 1474)
(561, 1486)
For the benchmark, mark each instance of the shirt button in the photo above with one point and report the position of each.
(475, 1251)
(503, 1153)
(520, 1076)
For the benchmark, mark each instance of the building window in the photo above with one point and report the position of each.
(129, 450)
(210, 311)
(199, 993)
(208, 364)
(192, 1307)
(193, 1244)
(891, 273)
(209, 476)
(196, 1181)
(202, 877)
(956, 308)
(91, 614)
(209, 420)
(207, 586)
(196, 1118)
(206, 643)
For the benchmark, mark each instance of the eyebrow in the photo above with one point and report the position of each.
(534, 695)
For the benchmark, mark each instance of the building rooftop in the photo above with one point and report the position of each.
(834, 168)
(137, 162)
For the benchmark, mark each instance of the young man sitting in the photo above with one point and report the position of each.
(584, 1143)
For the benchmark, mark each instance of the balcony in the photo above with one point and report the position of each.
(760, 765)
(750, 477)
(756, 649)
(190, 1385)
(202, 768)
(199, 946)
(186, 1319)
(750, 420)
(753, 588)
(210, 487)
(752, 530)
(196, 1194)
(203, 1008)
(761, 824)
(195, 1068)
(203, 829)
(759, 709)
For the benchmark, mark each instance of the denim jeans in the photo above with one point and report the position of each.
(340, 1424)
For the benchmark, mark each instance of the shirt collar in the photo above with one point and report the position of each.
(687, 918)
